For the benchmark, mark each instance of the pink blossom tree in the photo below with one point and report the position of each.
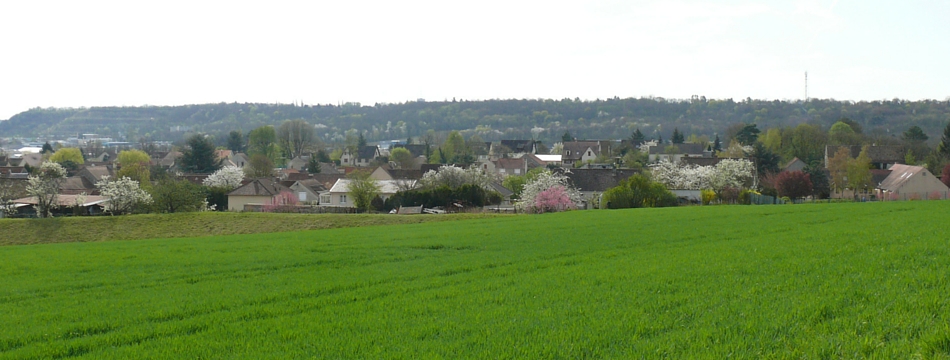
(283, 202)
(553, 199)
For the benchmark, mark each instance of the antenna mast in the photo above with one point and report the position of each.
(806, 86)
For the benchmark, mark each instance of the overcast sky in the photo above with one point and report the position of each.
(98, 53)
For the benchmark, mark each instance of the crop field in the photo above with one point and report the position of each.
(863, 280)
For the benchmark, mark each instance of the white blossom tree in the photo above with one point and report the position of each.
(44, 186)
(732, 173)
(542, 185)
(454, 177)
(229, 177)
(124, 194)
(728, 173)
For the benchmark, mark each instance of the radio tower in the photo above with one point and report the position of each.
(806, 86)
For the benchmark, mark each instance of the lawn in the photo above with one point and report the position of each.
(861, 280)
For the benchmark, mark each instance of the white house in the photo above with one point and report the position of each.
(339, 194)
(911, 182)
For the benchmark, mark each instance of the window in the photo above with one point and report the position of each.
(302, 196)
(342, 199)
(517, 171)
(325, 198)
(501, 171)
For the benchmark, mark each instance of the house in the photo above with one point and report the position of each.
(676, 152)
(94, 174)
(795, 165)
(907, 182)
(882, 156)
(574, 153)
(238, 159)
(66, 204)
(592, 183)
(386, 172)
(75, 185)
(170, 159)
(511, 166)
(543, 160)
(308, 191)
(33, 160)
(520, 146)
(339, 194)
(257, 191)
(361, 158)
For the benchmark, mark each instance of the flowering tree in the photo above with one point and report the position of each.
(228, 177)
(551, 188)
(682, 177)
(44, 186)
(283, 202)
(124, 194)
(731, 173)
(553, 199)
(454, 177)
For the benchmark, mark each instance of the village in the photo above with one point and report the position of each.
(312, 182)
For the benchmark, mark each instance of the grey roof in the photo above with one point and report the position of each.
(312, 184)
(259, 187)
(598, 179)
(368, 152)
(501, 189)
(95, 173)
(518, 145)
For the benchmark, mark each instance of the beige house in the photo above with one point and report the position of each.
(907, 182)
(257, 192)
(339, 194)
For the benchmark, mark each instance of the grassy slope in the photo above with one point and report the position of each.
(151, 226)
(813, 281)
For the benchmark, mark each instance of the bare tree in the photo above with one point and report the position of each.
(296, 136)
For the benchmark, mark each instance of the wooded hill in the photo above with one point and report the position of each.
(546, 120)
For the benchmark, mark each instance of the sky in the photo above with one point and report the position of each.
(169, 52)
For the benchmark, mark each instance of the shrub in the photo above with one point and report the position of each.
(729, 195)
(793, 184)
(707, 196)
(639, 191)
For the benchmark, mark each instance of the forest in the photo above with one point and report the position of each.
(541, 119)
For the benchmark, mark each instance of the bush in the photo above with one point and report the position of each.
(707, 196)
(639, 191)
(729, 195)
(745, 197)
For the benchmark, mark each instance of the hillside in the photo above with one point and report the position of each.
(491, 119)
(853, 280)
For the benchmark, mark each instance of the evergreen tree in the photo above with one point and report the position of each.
(717, 145)
(47, 148)
(322, 156)
(748, 134)
(944, 147)
(567, 137)
(637, 137)
(362, 140)
(678, 137)
(198, 156)
(313, 165)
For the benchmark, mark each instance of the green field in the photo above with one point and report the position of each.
(862, 280)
